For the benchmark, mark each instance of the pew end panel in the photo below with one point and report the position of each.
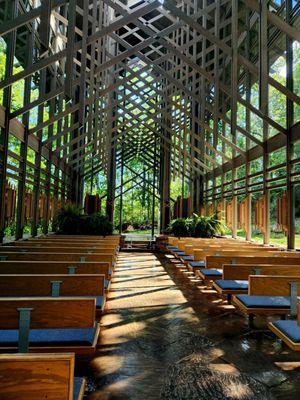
(36, 376)
(287, 331)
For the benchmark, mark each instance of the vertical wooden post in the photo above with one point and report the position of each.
(153, 188)
(234, 90)
(263, 105)
(289, 145)
(20, 217)
(165, 164)
(11, 14)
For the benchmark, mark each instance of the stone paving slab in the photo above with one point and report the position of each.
(157, 316)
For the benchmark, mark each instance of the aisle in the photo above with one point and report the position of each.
(155, 317)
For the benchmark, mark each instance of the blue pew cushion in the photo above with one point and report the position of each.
(211, 272)
(106, 284)
(48, 337)
(77, 386)
(228, 284)
(290, 329)
(197, 264)
(264, 301)
(188, 258)
(172, 247)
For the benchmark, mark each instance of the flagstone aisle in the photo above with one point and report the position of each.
(155, 316)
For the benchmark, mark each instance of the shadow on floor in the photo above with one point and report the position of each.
(146, 331)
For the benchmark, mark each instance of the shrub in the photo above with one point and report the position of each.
(70, 221)
(197, 226)
(207, 227)
(97, 224)
(192, 223)
(179, 228)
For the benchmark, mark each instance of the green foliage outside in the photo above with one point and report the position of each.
(137, 201)
(137, 195)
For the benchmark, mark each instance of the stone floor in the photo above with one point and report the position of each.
(157, 314)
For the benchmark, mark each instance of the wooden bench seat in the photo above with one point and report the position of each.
(56, 243)
(220, 260)
(66, 242)
(55, 286)
(235, 277)
(214, 264)
(55, 267)
(172, 240)
(189, 248)
(40, 376)
(288, 331)
(267, 295)
(62, 324)
(58, 249)
(196, 254)
(200, 254)
(46, 256)
(95, 238)
(103, 254)
(234, 253)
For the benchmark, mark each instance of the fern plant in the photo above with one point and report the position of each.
(208, 227)
(68, 220)
(197, 226)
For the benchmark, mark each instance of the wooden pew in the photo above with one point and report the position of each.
(39, 376)
(114, 239)
(57, 249)
(57, 267)
(214, 264)
(62, 324)
(46, 256)
(87, 241)
(175, 240)
(56, 243)
(235, 277)
(179, 243)
(199, 253)
(191, 250)
(268, 258)
(288, 331)
(194, 257)
(55, 286)
(267, 295)
(197, 256)
(69, 241)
